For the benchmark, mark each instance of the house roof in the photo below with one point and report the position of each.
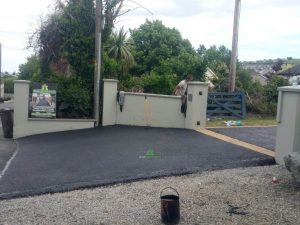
(210, 73)
(295, 70)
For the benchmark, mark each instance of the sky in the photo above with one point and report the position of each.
(269, 29)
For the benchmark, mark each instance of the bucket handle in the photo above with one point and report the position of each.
(169, 188)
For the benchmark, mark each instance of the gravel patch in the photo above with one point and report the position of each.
(233, 196)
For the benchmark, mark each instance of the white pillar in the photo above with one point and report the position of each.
(21, 103)
(110, 89)
(288, 118)
(2, 89)
(196, 105)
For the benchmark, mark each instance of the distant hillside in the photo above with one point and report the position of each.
(292, 61)
(261, 68)
(273, 61)
(266, 66)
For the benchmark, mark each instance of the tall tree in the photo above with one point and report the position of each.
(120, 47)
(31, 69)
(218, 59)
(160, 49)
(65, 43)
(67, 36)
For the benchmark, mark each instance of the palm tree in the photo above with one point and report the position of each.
(119, 48)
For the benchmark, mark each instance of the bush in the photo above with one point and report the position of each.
(74, 102)
(74, 99)
(152, 83)
(263, 100)
(157, 84)
(9, 85)
(270, 90)
(131, 83)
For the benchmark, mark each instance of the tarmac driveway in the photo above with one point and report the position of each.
(88, 158)
(7, 146)
(261, 136)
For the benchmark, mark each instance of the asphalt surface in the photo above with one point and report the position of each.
(87, 158)
(7, 146)
(7, 150)
(261, 136)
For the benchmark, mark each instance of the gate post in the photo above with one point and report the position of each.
(21, 105)
(196, 105)
(288, 118)
(110, 89)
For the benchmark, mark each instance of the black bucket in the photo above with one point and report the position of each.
(170, 209)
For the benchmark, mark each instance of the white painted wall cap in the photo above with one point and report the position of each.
(110, 80)
(22, 81)
(197, 83)
(152, 95)
(295, 88)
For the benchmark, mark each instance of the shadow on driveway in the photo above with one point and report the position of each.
(87, 158)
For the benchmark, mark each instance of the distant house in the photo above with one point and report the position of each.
(292, 74)
(259, 68)
(210, 76)
(263, 80)
(259, 71)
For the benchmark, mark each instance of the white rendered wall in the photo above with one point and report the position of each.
(288, 118)
(153, 110)
(24, 126)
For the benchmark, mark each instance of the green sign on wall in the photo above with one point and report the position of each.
(43, 101)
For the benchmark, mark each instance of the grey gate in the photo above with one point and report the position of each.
(226, 104)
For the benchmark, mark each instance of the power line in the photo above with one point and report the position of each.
(143, 7)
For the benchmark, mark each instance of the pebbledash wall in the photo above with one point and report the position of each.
(154, 110)
(25, 126)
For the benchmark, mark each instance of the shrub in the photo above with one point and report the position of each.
(74, 99)
(157, 84)
(152, 83)
(9, 85)
(263, 100)
(131, 83)
(74, 102)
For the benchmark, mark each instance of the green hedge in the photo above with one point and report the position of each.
(152, 83)
(74, 99)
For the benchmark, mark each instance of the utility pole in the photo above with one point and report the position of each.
(234, 50)
(97, 72)
(1, 71)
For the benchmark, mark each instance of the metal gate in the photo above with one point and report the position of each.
(226, 104)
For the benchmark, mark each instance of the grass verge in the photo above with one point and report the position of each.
(250, 120)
